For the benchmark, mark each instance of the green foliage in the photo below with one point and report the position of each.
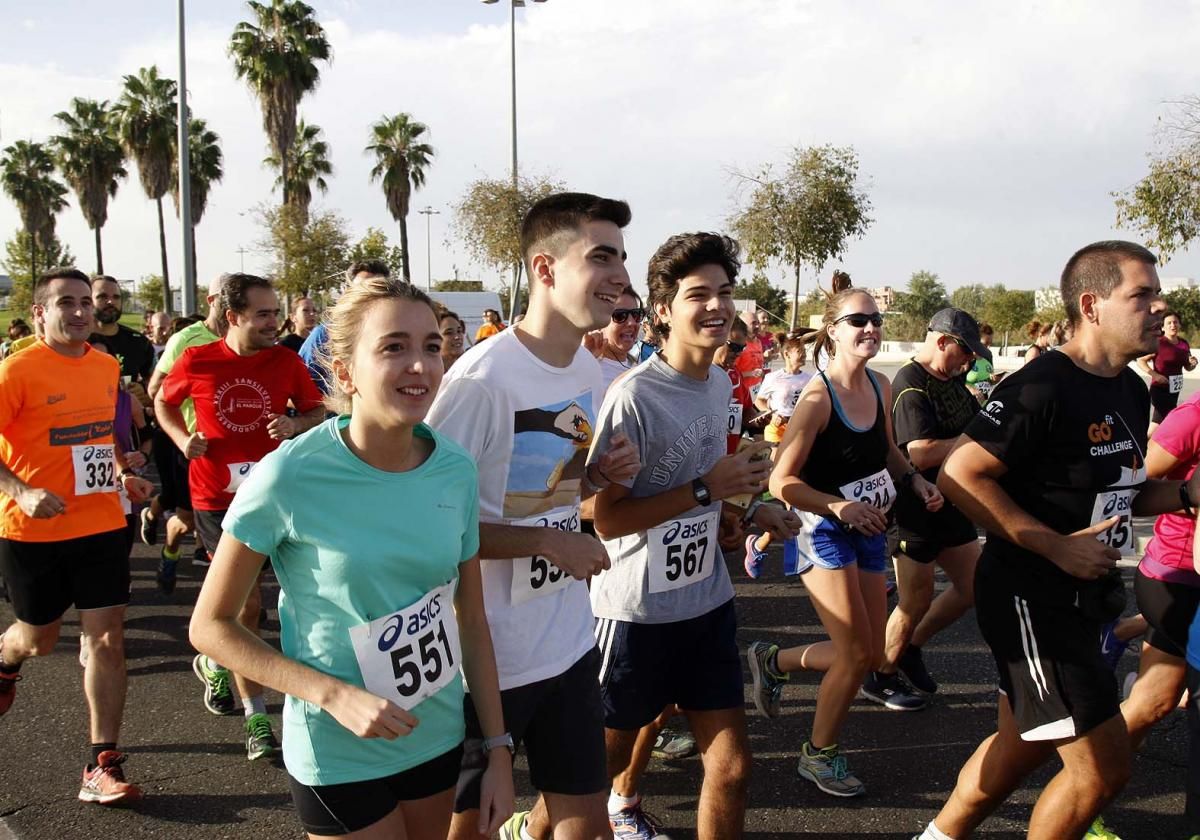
(150, 293)
(27, 176)
(805, 216)
(16, 266)
(971, 298)
(505, 293)
(1057, 312)
(401, 159)
(925, 296)
(205, 168)
(306, 259)
(308, 164)
(374, 246)
(759, 289)
(91, 159)
(1164, 207)
(458, 285)
(1007, 310)
(1186, 304)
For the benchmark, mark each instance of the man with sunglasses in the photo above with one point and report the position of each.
(930, 408)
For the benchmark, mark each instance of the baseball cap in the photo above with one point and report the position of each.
(959, 324)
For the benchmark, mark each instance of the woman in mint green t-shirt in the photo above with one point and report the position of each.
(371, 524)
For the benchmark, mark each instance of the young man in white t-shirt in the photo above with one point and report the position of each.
(524, 404)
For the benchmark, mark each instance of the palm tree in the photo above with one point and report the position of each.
(91, 159)
(400, 161)
(308, 163)
(146, 122)
(27, 175)
(277, 56)
(205, 168)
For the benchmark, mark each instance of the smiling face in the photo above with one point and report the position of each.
(67, 316)
(855, 341)
(396, 368)
(623, 336)
(1171, 327)
(585, 282)
(453, 333)
(702, 310)
(257, 326)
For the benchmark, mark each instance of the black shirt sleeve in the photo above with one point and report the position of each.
(913, 417)
(1015, 422)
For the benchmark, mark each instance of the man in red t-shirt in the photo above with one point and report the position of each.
(240, 387)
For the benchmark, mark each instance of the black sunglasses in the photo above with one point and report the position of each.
(620, 316)
(858, 320)
(966, 347)
(734, 347)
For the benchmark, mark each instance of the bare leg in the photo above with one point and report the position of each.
(949, 606)
(725, 753)
(1095, 768)
(914, 584)
(1160, 684)
(104, 679)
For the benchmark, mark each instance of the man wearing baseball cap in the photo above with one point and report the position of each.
(930, 409)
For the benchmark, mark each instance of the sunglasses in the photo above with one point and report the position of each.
(620, 316)
(858, 320)
(734, 347)
(965, 347)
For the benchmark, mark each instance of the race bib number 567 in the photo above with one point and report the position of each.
(681, 552)
(412, 653)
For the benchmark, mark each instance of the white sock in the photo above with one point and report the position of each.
(933, 833)
(525, 835)
(254, 705)
(618, 803)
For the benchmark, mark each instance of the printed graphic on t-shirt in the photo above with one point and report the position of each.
(550, 446)
(242, 404)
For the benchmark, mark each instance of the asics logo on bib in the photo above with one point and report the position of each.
(1117, 503)
(685, 531)
(416, 622)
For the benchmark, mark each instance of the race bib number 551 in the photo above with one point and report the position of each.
(534, 577)
(95, 469)
(681, 552)
(1116, 503)
(412, 653)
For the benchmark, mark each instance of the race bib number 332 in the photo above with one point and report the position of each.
(95, 469)
(412, 653)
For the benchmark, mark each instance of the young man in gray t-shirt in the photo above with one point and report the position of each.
(665, 616)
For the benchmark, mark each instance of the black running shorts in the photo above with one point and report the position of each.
(921, 535)
(333, 810)
(46, 578)
(1168, 608)
(208, 527)
(172, 469)
(1049, 662)
(1162, 403)
(560, 724)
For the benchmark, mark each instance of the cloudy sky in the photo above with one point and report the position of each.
(990, 134)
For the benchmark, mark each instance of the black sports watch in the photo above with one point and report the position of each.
(700, 492)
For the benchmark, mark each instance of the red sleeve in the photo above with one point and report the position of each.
(177, 385)
(305, 395)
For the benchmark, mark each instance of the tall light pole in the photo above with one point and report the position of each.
(512, 37)
(428, 212)
(185, 179)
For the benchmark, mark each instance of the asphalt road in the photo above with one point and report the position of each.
(199, 784)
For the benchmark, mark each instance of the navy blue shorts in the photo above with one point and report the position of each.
(644, 667)
(824, 542)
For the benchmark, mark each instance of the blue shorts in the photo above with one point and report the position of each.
(693, 663)
(825, 543)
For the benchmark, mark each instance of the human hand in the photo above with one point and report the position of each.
(782, 523)
(928, 493)
(496, 796)
(197, 445)
(37, 503)
(1083, 555)
(281, 427)
(866, 518)
(369, 716)
(619, 463)
(745, 472)
(593, 342)
(137, 488)
(579, 555)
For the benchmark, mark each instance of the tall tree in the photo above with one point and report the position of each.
(277, 55)
(91, 159)
(306, 259)
(205, 168)
(759, 289)
(375, 246)
(804, 216)
(400, 162)
(27, 176)
(308, 164)
(146, 121)
(488, 219)
(925, 296)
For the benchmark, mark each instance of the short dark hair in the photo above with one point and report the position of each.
(58, 273)
(680, 256)
(1171, 313)
(375, 268)
(234, 291)
(104, 278)
(554, 222)
(986, 329)
(1096, 268)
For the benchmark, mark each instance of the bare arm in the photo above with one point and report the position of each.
(156, 381)
(170, 420)
(929, 454)
(1144, 363)
(579, 555)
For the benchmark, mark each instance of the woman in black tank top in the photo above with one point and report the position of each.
(839, 468)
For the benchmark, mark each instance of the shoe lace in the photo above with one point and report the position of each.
(112, 768)
(646, 822)
(259, 727)
(218, 682)
(839, 767)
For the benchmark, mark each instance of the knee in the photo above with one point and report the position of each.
(731, 771)
(109, 644)
(1148, 704)
(915, 598)
(42, 642)
(859, 658)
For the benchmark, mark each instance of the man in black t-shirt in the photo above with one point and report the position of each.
(131, 349)
(1054, 468)
(930, 409)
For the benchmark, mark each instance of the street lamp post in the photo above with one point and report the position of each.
(512, 36)
(428, 212)
(188, 283)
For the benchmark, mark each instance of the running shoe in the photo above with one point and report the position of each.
(634, 824)
(218, 696)
(767, 687)
(105, 783)
(166, 572)
(892, 692)
(754, 558)
(1099, 830)
(148, 530)
(829, 771)
(511, 830)
(672, 746)
(260, 738)
(8, 690)
(200, 557)
(912, 667)
(1111, 648)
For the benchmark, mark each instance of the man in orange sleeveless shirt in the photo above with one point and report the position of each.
(61, 523)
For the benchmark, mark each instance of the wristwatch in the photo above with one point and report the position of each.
(505, 740)
(700, 492)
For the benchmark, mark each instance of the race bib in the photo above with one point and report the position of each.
(535, 577)
(735, 418)
(413, 653)
(95, 468)
(237, 474)
(876, 490)
(1175, 383)
(682, 552)
(1116, 503)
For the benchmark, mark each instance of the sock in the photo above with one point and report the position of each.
(812, 749)
(96, 749)
(932, 833)
(169, 554)
(762, 542)
(773, 666)
(4, 667)
(618, 803)
(212, 664)
(525, 835)
(255, 705)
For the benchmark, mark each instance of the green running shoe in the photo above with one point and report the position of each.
(218, 696)
(260, 738)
